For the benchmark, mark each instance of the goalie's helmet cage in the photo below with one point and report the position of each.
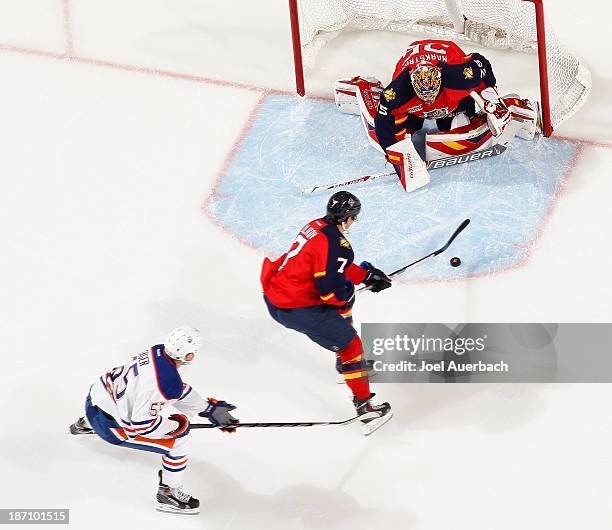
(341, 206)
(182, 341)
(507, 24)
(426, 80)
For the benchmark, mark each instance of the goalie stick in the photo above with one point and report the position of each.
(459, 229)
(356, 180)
(455, 160)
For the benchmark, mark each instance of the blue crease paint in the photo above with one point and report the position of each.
(294, 143)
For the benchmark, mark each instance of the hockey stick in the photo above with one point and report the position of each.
(366, 416)
(460, 229)
(482, 154)
(472, 156)
(435, 252)
(356, 180)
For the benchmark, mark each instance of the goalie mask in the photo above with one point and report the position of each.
(182, 341)
(426, 80)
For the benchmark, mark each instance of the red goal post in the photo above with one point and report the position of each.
(511, 24)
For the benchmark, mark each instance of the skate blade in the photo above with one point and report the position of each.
(171, 509)
(74, 429)
(375, 424)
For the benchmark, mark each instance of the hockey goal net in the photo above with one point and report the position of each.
(508, 24)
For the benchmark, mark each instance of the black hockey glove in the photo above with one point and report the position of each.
(376, 279)
(218, 414)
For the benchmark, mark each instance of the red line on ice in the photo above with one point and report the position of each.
(68, 28)
(244, 131)
(137, 69)
(69, 54)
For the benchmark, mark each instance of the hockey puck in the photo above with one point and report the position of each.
(455, 262)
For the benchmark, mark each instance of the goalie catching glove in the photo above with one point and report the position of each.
(376, 280)
(218, 414)
(498, 115)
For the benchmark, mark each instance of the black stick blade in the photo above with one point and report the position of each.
(435, 252)
(460, 229)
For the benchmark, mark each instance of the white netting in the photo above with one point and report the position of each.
(507, 24)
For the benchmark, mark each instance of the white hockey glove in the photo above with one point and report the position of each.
(489, 102)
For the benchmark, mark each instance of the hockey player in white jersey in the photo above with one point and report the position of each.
(127, 407)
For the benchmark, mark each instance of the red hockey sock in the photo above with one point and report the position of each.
(354, 369)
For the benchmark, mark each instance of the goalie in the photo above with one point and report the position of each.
(436, 80)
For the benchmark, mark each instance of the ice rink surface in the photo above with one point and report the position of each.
(295, 144)
(124, 131)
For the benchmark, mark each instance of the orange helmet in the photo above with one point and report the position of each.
(426, 80)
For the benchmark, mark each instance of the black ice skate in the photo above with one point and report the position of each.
(175, 500)
(382, 414)
(81, 426)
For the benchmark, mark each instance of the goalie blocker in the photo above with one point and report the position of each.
(483, 136)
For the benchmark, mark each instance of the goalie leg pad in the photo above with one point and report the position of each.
(412, 171)
(345, 93)
(526, 114)
(464, 140)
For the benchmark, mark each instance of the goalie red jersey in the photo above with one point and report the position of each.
(314, 271)
(429, 51)
(432, 80)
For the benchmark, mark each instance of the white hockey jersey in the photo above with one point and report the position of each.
(135, 394)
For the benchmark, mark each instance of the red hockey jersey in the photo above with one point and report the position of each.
(314, 271)
(431, 51)
(460, 75)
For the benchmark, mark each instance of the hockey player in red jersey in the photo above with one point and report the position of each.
(311, 289)
(434, 80)
(437, 80)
